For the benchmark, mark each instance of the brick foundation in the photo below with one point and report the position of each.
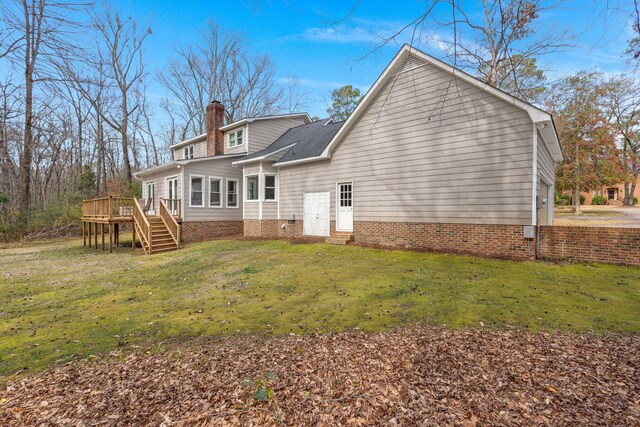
(588, 244)
(495, 241)
(198, 231)
(591, 244)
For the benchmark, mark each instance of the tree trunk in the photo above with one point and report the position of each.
(576, 200)
(27, 153)
(125, 140)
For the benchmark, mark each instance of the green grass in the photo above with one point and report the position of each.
(61, 301)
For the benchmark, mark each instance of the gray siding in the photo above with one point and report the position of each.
(545, 161)
(220, 168)
(269, 208)
(238, 149)
(430, 148)
(251, 208)
(263, 133)
(160, 182)
(199, 150)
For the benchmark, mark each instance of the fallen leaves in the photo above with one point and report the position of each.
(422, 376)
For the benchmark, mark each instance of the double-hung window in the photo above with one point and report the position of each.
(251, 185)
(270, 187)
(188, 152)
(197, 191)
(236, 138)
(232, 193)
(215, 192)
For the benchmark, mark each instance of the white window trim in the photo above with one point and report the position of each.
(221, 192)
(237, 193)
(275, 188)
(204, 190)
(187, 152)
(235, 133)
(246, 189)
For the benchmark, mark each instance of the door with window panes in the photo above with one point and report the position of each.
(344, 208)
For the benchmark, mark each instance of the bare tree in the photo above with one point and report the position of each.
(39, 32)
(295, 98)
(121, 46)
(219, 68)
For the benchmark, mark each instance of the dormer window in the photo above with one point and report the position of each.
(188, 152)
(236, 138)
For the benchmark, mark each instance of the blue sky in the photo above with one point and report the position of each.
(326, 46)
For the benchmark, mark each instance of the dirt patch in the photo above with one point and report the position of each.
(422, 376)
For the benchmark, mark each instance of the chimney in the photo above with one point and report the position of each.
(215, 137)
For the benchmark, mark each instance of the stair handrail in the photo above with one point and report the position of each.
(170, 222)
(143, 224)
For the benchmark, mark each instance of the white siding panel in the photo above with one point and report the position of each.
(430, 148)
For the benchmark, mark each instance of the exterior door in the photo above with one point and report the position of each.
(151, 196)
(543, 203)
(344, 210)
(316, 213)
(172, 195)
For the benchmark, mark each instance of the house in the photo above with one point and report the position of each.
(614, 195)
(201, 185)
(431, 158)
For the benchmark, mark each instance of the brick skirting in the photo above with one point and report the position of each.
(495, 241)
(591, 244)
(198, 231)
(588, 244)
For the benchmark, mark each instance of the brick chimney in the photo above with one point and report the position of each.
(215, 137)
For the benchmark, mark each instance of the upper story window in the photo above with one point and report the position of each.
(251, 185)
(188, 152)
(269, 187)
(236, 138)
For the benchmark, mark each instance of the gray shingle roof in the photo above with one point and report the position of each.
(304, 141)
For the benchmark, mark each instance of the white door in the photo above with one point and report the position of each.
(172, 195)
(316, 214)
(344, 203)
(151, 197)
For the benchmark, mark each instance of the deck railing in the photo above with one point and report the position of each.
(142, 224)
(107, 207)
(170, 222)
(174, 206)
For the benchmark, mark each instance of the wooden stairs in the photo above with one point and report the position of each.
(157, 233)
(340, 239)
(162, 241)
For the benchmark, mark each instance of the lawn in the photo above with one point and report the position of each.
(60, 301)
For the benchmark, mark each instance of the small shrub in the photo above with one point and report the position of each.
(562, 202)
(635, 201)
(598, 200)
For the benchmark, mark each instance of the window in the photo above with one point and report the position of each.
(252, 187)
(269, 187)
(188, 152)
(236, 138)
(215, 192)
(232, 193)
(197, 194)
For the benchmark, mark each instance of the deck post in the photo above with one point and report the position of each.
(133, 236)
(89, 232)
(84, 235)
(117, 231)
(110, 238)
(102, 234)
(95, 234)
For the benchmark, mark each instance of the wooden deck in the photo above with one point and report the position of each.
(102, 217)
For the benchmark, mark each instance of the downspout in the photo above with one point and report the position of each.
(534, 190)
